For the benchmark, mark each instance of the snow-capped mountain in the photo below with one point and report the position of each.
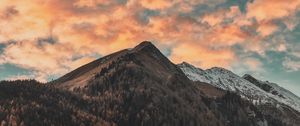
(248, 88)
(279, 93)
(140, 86)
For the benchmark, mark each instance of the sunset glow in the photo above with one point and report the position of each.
(45, 39)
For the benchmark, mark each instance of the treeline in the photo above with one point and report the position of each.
(30, 103)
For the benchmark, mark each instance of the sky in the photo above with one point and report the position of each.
(44, 39)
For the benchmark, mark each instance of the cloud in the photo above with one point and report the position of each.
(291, 65)
(226, 36)
(281, 48)
(45, 36)
(30, 55)
(156, 4)
(220, 16)
(291, 61)
(9, 12)
(42, 57)
(291, 22)
(267, 28)
(249, 65)
(253, 64)
(201, 56)
(266, 10)
(92, 3)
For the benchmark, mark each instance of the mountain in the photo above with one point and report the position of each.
(280, 94)
(226, 80)
(145, 88)
(138, 86)
(144, 56)
(268, 96)
(276, 91)
(247, 86)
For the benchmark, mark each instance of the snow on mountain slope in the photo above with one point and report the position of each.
(227, 80)
(279, 93)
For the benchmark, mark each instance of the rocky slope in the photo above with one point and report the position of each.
(226, 80)
(268, 97)
(280, 94)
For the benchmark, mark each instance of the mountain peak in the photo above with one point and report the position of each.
(144, 45)
(144, 54)
(185, 64)
(220, 70)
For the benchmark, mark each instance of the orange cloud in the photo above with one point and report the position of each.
(86, 27)
(271, 9)
(30, 55)
(253, 64)
(213, 19)
(217, 17)
(42, 57)
(225, 36)
(157, 4)
(201, 56)
(265, 11)
(267, 28)
(91, 3)
(8, 13)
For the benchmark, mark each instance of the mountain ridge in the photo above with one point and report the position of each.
(139, 86)
(91, 69)
(214, 76)
(272, 100)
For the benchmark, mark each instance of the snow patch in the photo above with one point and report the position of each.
(227, 80)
